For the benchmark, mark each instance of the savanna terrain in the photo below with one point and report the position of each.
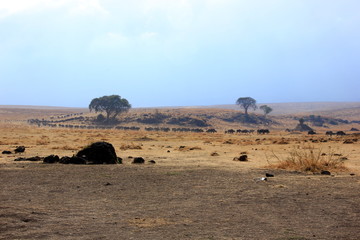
(194, 190)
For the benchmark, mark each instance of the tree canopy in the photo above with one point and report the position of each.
(266, 109)
(112, 105)
(246, 103)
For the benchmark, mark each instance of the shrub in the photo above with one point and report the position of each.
(309, 159)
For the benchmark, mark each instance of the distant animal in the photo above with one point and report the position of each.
(263, 131)
(211, 130)
(329, 133)
(230, 131)
(340, 133)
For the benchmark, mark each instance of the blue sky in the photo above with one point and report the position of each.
(179, 52)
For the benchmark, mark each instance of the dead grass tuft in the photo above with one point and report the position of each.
(65, 147)
(130, 146)
(309, 159)
(43, 141)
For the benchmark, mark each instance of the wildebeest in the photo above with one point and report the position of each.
(211, 130)
(330, 133)
(230, 131)
(340, 133)
(263, 131)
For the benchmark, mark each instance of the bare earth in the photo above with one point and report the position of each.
(188, 194)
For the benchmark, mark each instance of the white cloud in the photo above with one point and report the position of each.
(148, 35)
(88, 7)
(75, 7)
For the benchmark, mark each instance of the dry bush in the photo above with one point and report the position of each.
(130, 146)
(65, 147)
(309, 159)
(44, 140)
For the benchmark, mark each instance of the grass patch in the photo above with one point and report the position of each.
(307, 158)
(130, 146)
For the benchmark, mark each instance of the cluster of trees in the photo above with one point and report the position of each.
(248, 102)
(114, 105)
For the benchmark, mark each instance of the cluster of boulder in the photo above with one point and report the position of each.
(19, 149)
(96, 153)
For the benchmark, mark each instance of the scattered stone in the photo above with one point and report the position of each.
(214, 154)
(242, 158)
(352, 174)
(269, 175)
(99, 153)
(152, 161)
(138, 160)
(119, 160)
(107, 184)
(168, 151)
(354, 129)
(73, 160)
(325, 172)
(348, 141)
(51, 159)
(31, 159)
(19, 149)
(6, 152)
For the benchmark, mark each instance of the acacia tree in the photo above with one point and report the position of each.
(246, 103)
(112, 105)
(266, 109)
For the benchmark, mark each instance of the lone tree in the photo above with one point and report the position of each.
(266, 109)
(246, 103)
(112, 105)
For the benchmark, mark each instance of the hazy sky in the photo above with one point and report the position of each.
(178, 52)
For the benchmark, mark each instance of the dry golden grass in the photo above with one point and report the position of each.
(308, 158)
(130, 146)
(164, 147)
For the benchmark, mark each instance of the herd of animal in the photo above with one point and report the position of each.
(61, 124)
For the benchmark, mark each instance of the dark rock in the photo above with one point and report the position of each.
(352, 174)
(19, 149)
(325, 172)
(243, 158)
(269, 175)
(72, 160)
(51, 159)
(99, 153)
(152, 161)
(6, 152)
(138, 160)
(32, 159)
(119, 160)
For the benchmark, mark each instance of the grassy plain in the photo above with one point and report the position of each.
(194, 191)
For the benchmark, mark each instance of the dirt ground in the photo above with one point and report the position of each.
(189, 193)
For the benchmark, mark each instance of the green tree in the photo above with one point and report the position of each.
(112, 105)
(266, 109)
(246, 103)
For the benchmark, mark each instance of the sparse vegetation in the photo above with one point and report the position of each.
(266, 109)
(112, 105)
(308, 158)
(246, 103)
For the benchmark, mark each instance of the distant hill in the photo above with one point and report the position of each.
(300, 108)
